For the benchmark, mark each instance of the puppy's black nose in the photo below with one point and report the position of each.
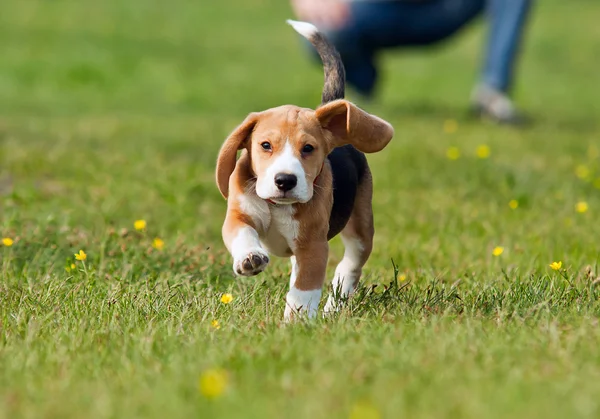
(285, 181)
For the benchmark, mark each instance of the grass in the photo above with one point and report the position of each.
(114, 111)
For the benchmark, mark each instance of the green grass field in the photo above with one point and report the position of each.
(114, 111)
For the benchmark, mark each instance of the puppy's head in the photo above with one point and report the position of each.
(288, 145)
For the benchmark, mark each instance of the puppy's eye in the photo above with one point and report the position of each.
(266, 146)
(307, 148)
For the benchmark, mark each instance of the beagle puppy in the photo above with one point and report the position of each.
(301, 179)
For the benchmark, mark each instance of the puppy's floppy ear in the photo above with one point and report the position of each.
(351, 125)
(228, 153)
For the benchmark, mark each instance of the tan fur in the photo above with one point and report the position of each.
(351, 125)
(312, 248)
(228, 153)
(236, 217)
(293, 124)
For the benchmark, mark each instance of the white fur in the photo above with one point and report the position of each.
(257, 209)
(245, 244)
(285, 162)
(303, 28)
(275, 224)
(302, 303)
(347, 273)
(294, 271)
(283, 230)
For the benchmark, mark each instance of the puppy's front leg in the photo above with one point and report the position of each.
(310, 269)
(241, 239)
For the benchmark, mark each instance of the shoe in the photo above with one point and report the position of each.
(490, 103)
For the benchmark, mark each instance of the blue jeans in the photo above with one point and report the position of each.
(377, 25)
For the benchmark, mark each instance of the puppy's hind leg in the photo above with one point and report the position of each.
(357, 237)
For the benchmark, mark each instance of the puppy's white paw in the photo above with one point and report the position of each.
(300, 304)
(251, 263)
(331, 307)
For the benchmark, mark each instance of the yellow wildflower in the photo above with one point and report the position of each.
(450, 126)
(7, 241)
(365, 410)
(498, 250)
(215, 324)
(72, 266)
(81, 255)
(582, 172)
(483, 151)
(556, 265)
(158, 244)
(139, 224)
(213, 383)
(402, 277)
(513, 204)
(581, 207)
(453, 153)
(226, 298)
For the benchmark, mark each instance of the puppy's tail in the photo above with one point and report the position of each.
(335, 76)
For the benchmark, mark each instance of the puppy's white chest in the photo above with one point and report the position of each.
(280, 236)
(277, 229)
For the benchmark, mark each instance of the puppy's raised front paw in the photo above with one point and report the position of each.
(252, 263)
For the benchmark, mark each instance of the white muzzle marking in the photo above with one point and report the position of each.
(286, 162)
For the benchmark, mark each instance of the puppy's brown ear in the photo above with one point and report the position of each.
(351, 125)
(228, 153)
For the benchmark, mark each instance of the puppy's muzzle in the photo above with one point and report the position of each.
(285, 181)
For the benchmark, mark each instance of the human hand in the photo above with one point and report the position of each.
(326, 14)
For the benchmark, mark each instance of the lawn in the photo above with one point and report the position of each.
(113, 111)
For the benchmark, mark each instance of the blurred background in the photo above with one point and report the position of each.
(67, 57)
(116, 109)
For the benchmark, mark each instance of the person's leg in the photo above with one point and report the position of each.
(387, 24)
(507, 20)
(507, 24)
